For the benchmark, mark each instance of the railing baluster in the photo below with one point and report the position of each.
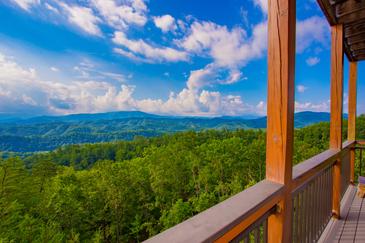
(265, 231)
(360, 162)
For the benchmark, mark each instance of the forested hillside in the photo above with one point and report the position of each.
(47, 133)
(128, 191)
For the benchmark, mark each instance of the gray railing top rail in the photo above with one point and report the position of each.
(221, 218)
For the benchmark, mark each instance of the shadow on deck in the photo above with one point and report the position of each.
(351, 226)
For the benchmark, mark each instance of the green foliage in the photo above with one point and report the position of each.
(129, 191)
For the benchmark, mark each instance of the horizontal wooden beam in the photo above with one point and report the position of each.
(226, 219)
(358, 46)
(355, 39)
(359, 58)
(354, 28)
(350, 11)
(304, 171)
(358, 52)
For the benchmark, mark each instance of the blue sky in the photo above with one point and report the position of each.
(195, 58)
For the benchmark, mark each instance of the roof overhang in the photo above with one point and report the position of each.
(350, 13)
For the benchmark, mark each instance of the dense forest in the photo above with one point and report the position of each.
(128, 191)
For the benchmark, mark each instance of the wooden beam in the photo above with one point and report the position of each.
(358, 46)
(356, 38)
(351, 130)
(336, 110)
(336, 87)
(280, 111)
(351, 135)
(350, 11)
(359, 57)
(354, 28)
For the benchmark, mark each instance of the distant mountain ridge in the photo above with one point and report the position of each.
(46, 133)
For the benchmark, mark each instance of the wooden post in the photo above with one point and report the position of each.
(351, 129)
(336, 110)
(280, 111)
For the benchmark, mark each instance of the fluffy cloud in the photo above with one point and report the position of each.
(165, 23)
(263, 4)
(140, 47)
(301, 88)
(54, 69)
(22, 90)
(312, 30)
(120, 16)
(26, 4)
(309, 106)
(312, 61)
(83, 18)
(229, 48)
(191, 102)
(212, 74)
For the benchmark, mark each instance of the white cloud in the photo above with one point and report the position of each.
(312, 61)
(151, 53)
(309, 106)
(301, 88)
(191, 102)
(261, 108)
(26, 4)
(228, 48)
(128, 54)
(83, 18)
(120, 16)
(51, 8)
(312, 30)
(263, 4)
(166, 23)
(54, 69)
(22, 90)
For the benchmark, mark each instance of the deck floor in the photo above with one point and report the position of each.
(351, 226)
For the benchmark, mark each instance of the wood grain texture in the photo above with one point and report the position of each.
(352, 103)
(350, 13)
(336, 110)
(351, 134)
(336, 87)
(280, 110)
(229, 217)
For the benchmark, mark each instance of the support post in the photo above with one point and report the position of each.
(351, 129)
(336, 110)
(280, 111)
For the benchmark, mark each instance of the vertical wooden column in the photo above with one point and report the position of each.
(280, 110)
(351, 128)
(336, 110)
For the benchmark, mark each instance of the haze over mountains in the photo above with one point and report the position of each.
(46, 133)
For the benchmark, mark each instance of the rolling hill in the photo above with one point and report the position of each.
(46, 133)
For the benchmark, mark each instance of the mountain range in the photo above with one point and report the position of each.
(44, 133)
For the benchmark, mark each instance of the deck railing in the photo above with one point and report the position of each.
(244, 217)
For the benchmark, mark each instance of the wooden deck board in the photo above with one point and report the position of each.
(351, 226)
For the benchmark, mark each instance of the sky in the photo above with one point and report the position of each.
(170, 57)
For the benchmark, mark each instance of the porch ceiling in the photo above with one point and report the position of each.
(350, 13)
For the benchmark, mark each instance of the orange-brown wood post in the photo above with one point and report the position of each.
(280, 111)
(336, 110)
(351, 129)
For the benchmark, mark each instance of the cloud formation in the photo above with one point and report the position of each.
(83, 18)
(166, 23)
(301, 88)
(26, 4)
(312, 61)
(145, 50)
(22, 88)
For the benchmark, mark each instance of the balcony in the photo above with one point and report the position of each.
(245, 217)
(315, 200)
